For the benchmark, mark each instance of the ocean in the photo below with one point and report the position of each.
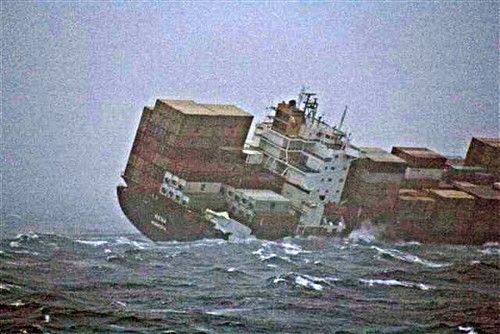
(52, 283)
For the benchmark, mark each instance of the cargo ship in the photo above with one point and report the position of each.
(192, 174)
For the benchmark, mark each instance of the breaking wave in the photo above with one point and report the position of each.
(128, 284)
(365, 233)
(406, 257)
(394, 282)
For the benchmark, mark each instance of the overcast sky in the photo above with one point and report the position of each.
(75, 76)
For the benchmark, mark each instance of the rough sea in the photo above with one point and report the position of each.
(126, 284)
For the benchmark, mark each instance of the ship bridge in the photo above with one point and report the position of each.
(313, 156)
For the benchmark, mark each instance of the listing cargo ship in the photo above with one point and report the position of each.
(192, 174)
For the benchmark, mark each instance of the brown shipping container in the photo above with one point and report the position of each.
(485, 152)
(420, 157)
(452, 218)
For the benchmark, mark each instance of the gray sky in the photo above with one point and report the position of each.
(75, 76)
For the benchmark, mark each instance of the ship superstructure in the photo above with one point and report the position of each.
(311, 155)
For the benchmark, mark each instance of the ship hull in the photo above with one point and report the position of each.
(161, 219)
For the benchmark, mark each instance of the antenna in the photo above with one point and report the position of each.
(310, 105)
(301, 94)
(342, 118)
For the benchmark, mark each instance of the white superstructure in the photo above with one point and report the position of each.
(312, 156)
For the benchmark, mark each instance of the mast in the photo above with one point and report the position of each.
(310, 104)
(342, 118)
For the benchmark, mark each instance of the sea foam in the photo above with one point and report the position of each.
(409, 258)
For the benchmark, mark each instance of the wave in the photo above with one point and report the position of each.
(490, 248)
(300, 280)
(286, 247)
(394, 282)
(265, 255)
(409, 258)
(95, 243)
(228, 311)
(303, 280)
(467, 329)
(27, 236)
(366, 233)
(408, 243)
(9, 287)
(279, 252)
(491, 244)
(188, 244)
(127, 241)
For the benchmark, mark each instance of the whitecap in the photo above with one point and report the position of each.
(490, 251)
(410, 258)
(236, 240)
(94, 243)
(174, 254)
(265, 257)
(127, 241)
(258, 251)
(365, 233)
(14, 244)
(393, 282)
(119, 303)
(326, 280)
(27, 236)
(266, 254)
(491, 244)
(468, 330)
(225, 311)
(408, 243)
(17, 303)
(8, 287)
(307, 283)
(291, 249)
(268, 257)
(279, 279)
(167, 310)
(26, 252)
